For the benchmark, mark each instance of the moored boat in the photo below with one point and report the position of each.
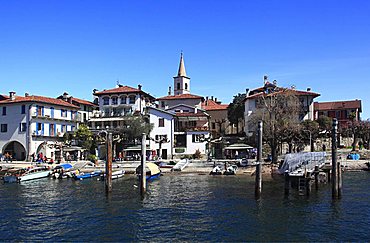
(152, 171)
(27, 174)
(63, 171)
(85, 175)
(231, 170)
(115, 175)
(216, 171)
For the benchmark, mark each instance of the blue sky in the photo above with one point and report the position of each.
(48, 47)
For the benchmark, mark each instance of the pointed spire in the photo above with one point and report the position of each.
(182, 71)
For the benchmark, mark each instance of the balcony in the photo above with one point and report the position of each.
(191, 129)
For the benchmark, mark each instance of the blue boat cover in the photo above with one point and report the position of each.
(64, 166)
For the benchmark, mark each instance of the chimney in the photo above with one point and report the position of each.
(26, 94)
(139, 86)
(169, 90)
(206, 100)
(308, 89)
(247, 92)
(215, 99)
(265, 79)
(212, 97)
(69, 99)
(65, 96)
(12, 95)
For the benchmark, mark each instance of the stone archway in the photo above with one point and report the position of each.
(16, 150)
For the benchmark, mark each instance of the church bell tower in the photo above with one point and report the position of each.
(181, 81)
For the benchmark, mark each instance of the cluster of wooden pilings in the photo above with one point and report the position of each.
(304, 183)
(109, 160)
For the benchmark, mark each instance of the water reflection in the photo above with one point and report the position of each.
(182, 207)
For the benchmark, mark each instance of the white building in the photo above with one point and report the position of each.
(86, 107)
(190, 130)
(115, 104)
(254, 101)
(32, 124)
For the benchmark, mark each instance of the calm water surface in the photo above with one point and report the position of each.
(182, 207)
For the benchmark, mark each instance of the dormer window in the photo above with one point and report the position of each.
(105, 101)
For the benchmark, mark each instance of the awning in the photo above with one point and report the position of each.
(72, 148)
(238, 146)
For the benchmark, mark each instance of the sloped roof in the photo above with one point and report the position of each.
(38, 99)
(122, 90)
(83, 102)
(180, 97)
(283, 90)
(338, 105)
(211, 105)
(190, 114)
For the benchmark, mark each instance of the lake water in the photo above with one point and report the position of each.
(182, 208)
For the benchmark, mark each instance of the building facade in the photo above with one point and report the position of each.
(255, 100)
(33, 124)
(344, 111)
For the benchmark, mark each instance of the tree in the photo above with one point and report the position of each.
(309, 132)
(279, 112)
(133, 128)
(81, 137)
(235, 111)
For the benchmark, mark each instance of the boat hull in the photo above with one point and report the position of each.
(88, 175)
(34, 176)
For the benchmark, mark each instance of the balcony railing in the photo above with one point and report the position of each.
(191, 129)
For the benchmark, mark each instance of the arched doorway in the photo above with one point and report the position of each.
(16, 150)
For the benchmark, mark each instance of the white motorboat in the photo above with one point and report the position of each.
(231, 170)
(34, 173)
(116, 174)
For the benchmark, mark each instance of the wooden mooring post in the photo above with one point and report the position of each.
(286, 183)
(258, 183)
(317, 172)
(143, 164)
(336, 176)
(108, 163)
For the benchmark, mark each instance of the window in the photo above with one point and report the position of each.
(114, 100)
(105, 101)
(161, 122)
(52, 112)
(186, 86)
(198, 138)
(64, 128)
(63, 113)
(161, 138)
(40, 111)
(23, 109)
(4, 127)
(52, 129)
(4, 111)
(163, 104)
(192, 123)
(213, 125)
(132, 99)
(22, 127)
(178, 86)
(123, 100)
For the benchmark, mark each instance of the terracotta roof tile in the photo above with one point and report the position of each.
(83, 102)
(189, 114)
(296, 92)
(338, 105)
(180, 97)
(211, 105)
(38, 99)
